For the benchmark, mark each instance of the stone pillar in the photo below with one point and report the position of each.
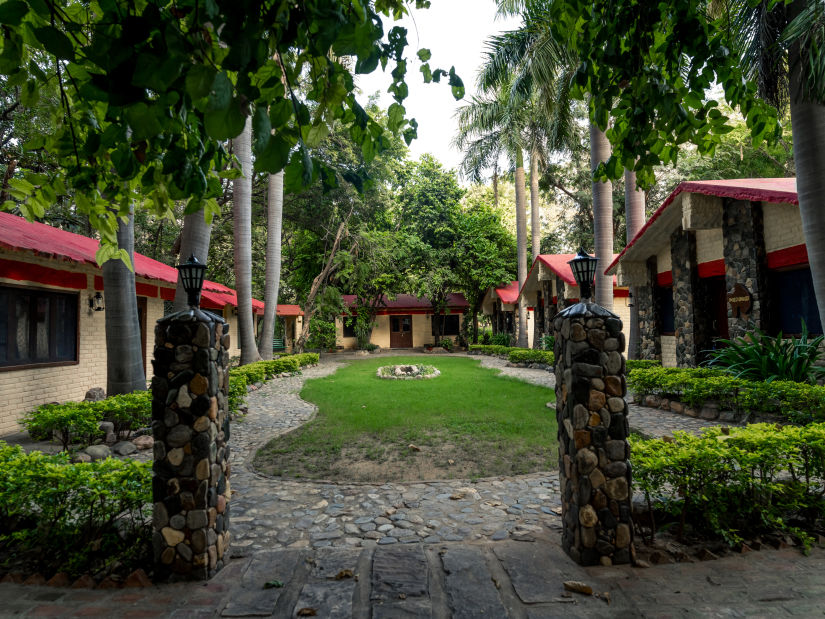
(686, 298)
(190, 482)
(549, 306)
(650, 340)
(745, 261)
(593, 450)
(538, 320)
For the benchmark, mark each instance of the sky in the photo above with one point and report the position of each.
(455, 31)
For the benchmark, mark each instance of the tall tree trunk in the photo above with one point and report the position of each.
(535, 219)
(495, 186)
(195, 239)
(602, 218)
(242, 212)
(309, 306)
(808, 123)
(275, 209)
(634, 210)
(124, 354)
(521, 245)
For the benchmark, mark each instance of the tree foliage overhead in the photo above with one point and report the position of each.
(148, 90)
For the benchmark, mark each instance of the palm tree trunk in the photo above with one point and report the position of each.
(602, 218)
(495, 187)
(521, 245)
(124, 354)
(808, 124)
(195, 239)
(242, 212)
(273, 262)
(634, 209)
(535, 219)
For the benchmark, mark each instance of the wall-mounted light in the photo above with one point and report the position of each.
(96, 302)
(191, 275)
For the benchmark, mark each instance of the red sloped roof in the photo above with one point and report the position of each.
(558, 264)
(509, 293)
(17, 234)
(455, 300)
(777, 190)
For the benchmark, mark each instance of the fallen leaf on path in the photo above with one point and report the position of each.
(450, 461)
(344, 574)
(414, 447)
(457, 496)
(578, 587)
(307, 612)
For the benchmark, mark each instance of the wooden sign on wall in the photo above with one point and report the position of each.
(740, 301)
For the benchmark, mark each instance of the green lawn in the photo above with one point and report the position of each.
(468, 422)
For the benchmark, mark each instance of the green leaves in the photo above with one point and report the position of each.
(12, 12)
(55, 42)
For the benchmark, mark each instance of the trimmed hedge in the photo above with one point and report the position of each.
(76, 518)
(493, 349)
(737, 481)
(526, 355)
(260, 372)
(695, 386)
(642, 364)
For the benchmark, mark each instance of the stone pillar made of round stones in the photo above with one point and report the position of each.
(190, 481)
(594, 467)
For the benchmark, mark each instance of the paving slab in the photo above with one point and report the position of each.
(400, 582)
(251, 598)
(332, 599)
(471, 590)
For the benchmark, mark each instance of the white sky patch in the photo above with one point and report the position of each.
(455, 31)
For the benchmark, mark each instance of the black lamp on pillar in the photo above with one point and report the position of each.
(584, 271)
(191, 276)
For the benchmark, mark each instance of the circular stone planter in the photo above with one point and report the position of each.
(407, 372)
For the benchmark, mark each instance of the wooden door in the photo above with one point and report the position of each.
(401, 331)
(142, 304)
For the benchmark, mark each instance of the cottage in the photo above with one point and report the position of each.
(715, 257)
(550, 287)
(501, 305)
(405, 322)
(53, 308)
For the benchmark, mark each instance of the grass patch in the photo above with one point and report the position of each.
(469, 422)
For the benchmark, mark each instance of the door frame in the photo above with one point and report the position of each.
(400, 318)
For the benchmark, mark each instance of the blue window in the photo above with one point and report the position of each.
(793, 301)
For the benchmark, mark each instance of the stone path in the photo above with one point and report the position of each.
(270, 513)
(509, 579)
(656, 423)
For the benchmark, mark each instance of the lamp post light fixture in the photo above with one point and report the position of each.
(584, 271)
(191, 275)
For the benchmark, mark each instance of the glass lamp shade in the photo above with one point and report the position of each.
(191, 276)
(584, 271)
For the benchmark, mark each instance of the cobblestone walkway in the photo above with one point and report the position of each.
(656, 423)
(271, 512)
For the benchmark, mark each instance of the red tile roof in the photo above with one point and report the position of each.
(509, 293)
(455, 300)
(777, 190)
(17, 234)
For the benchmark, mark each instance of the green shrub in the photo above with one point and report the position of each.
(321, 334)
(738, 481)
(310, 358)
(485, 338)
(527, 355)
(548, 342)
(501, 339)
(695, 386)
(492, 349)
(759, 356)
(128, 411)
(69, 422)
(446, 344)
(237, 391)
(639, 364)
(254, 372)
(73, 517)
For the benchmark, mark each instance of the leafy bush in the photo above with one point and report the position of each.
(738, 481)
(254, 372)
(69, 422)
(321, 334)
(310, 358)
(446, 344)
(548, 342)
(486, 337)
(73, 517)
(526, 355)
(695, 386)
(501, 339)
(128, 411)
(492, 349)
(237, 391)
(642, 364)
(759, 356)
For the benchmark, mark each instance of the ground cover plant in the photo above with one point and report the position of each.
(527, 355)
(470, 422)
(734, 483)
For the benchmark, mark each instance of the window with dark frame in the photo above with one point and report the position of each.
(349, 327)
(450, 325)
(792, 301)
(37, 327)
(665, 315)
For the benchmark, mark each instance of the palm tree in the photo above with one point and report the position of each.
(634, 209)
(275, 210)
(195, 238)
(534, 62)
(124, 354)
(242, 213)
(487, 126)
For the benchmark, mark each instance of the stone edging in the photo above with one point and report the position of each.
(435, 373)
(709, 410)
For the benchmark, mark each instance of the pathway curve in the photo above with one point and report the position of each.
(272, 512)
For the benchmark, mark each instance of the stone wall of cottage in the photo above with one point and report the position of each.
(594, 470)
(649, 338)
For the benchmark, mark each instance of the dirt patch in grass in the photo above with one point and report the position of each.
(371, 459)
